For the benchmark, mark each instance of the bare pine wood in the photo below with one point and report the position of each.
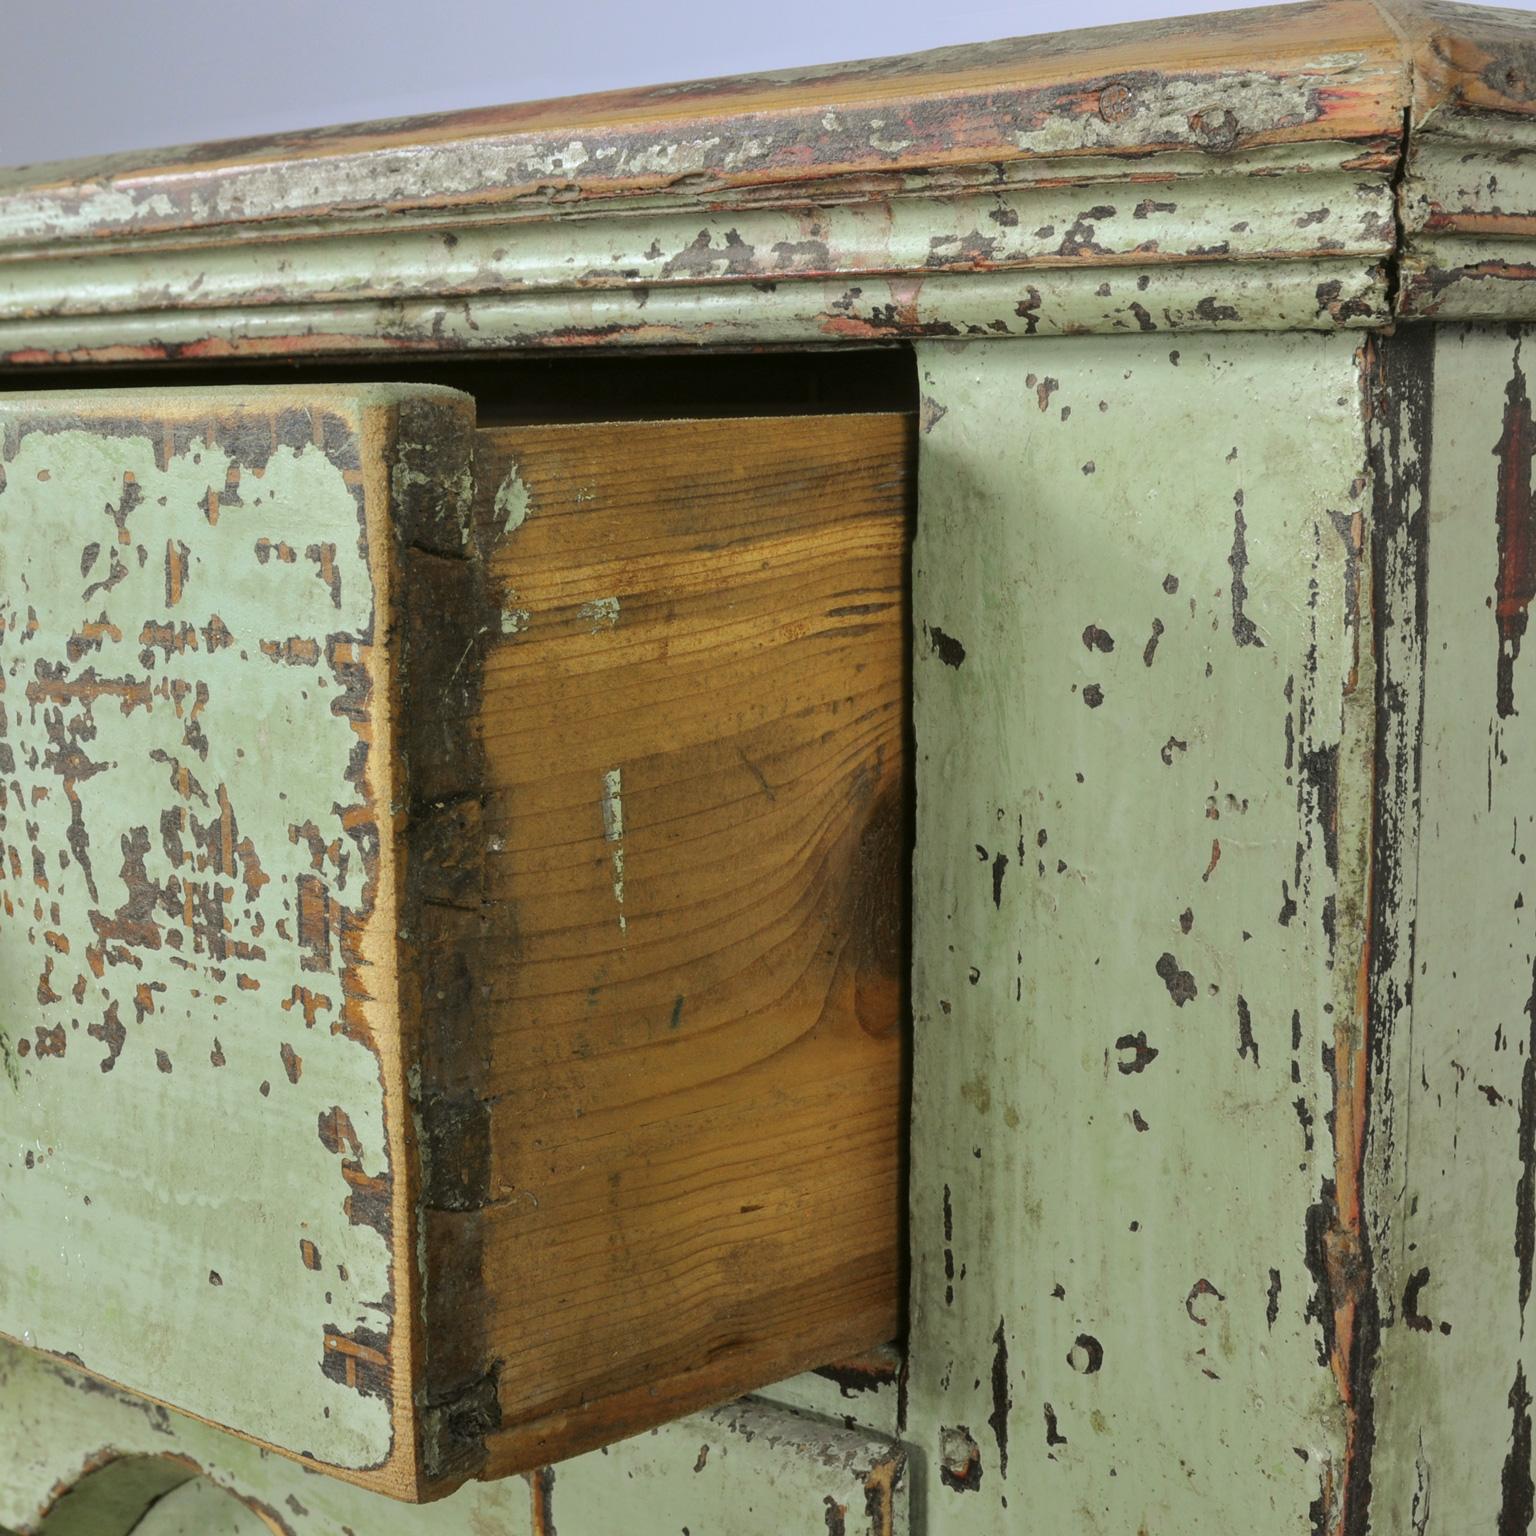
(691, 952)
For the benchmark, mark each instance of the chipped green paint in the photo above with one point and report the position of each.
(195, 1179)
(1279, 204)
(1309, 293)
(1140, 870)
(1455, 1122)
(1468, 202)
(752, 1468)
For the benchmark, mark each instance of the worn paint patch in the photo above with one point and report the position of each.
(600, 613)
(613, 832)
(511, 502)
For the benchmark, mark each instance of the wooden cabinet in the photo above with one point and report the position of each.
(505, 616)
(454, 901)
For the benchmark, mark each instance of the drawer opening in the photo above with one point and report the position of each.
(621, 725)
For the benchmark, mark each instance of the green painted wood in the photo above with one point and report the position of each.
(200, 1508)
(187, 648)
(1454, 1129)
(1312, 293)
(1285, 203)
(753, 1468)
(1143, 716)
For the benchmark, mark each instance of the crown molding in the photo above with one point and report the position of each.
(1328, 164)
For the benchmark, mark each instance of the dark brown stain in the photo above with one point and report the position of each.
(1244, 631)
(1092, 1355)
(1516, 520)
(1142, 1054)
(1412, 1317)
(336, 1132)
(455, 1427)
(949, 650)
(1180, 983)
(367, 1203)
(359, 1360)
(1002, 1398)
(1246, 1044)
(1525, 1186)
(1201, 1287)
(949, 1251)
(1517, 1493)
(863, 1375)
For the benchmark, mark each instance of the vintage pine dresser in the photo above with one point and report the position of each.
(877, 716)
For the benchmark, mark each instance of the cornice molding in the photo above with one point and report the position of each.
(1311, 166)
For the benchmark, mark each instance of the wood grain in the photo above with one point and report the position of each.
(1475, 59)
(689, 961)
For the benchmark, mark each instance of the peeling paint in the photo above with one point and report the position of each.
(613, 832)
(189, 864)
(511, 502)
(1139, 1028)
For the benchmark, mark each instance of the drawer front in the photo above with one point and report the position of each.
(452, 912)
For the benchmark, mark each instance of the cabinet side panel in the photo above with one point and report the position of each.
(1143, 720)
(1458, 1154)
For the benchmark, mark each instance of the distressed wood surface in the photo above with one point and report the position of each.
(1468, 184)
(484, 914)
(82, 1460)
(1454, 1114)
(1143, 718)
(1246, 167)
(1326, 70)
(1192, 174)
(1467, 59)
(1468, 200)
(679, 1076)
(197, 918)
(1323, 294)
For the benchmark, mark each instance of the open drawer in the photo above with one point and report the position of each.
(453, 911)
